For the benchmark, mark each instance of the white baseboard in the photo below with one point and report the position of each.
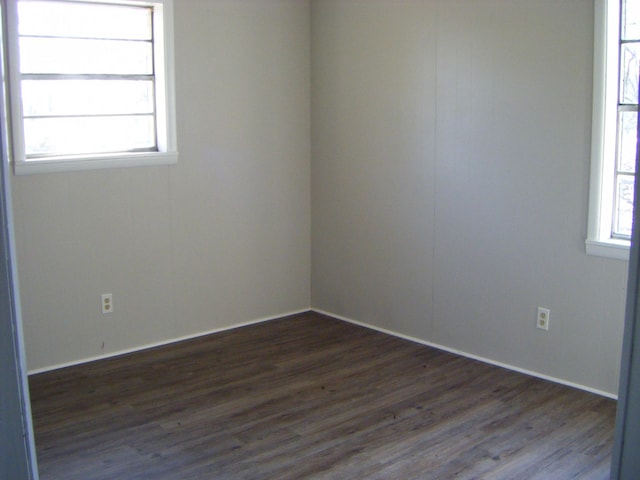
(162, 343)
(468, 355)
(336, 316)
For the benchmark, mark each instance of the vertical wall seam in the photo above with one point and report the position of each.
(435, 163)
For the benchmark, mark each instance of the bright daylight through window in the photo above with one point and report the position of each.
(615, 113)
(91, 84)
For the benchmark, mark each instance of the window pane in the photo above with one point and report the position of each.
(623, 216)
(86, 97)
(77, 135)
(630, 20)
(78, 56)
(628, 133)
(67, 19)
(629, 68)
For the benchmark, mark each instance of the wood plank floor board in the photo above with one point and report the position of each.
(312, 397)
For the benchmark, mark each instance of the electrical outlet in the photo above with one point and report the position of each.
(542, 320)
(107, 303)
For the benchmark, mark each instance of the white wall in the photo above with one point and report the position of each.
(450, 173)
(219, 239)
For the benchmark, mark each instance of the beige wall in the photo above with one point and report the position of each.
(219, 239)
(450, 171)
(450, 145)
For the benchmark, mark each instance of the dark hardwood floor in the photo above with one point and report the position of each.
(312, 397)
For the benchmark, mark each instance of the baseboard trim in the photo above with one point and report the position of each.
(338, 317)
(163, 342)
(468, 355)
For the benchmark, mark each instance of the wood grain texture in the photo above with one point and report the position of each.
(312, 397)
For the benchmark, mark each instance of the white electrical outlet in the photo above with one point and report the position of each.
(107, 303)
(542, 320)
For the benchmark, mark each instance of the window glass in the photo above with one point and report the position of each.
(84, 20)
(85, 56)
(630, 15)
(82, 135)
(86, 97)
(629, 71)
(623, 217)
(87, 78)
(627, 133)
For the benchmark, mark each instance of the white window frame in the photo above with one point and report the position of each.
(167, 153)
(603, 141)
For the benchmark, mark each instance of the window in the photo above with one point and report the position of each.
(91, 84)
(615, 113)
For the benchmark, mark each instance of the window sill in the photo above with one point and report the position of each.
(617, 249)
(94, 162)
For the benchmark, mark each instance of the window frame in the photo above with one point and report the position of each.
(600, 240)
(166, 154)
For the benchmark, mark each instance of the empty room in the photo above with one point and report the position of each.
(286, 239)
